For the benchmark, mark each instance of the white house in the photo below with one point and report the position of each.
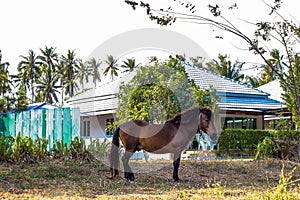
(275, 90)
(241, 106)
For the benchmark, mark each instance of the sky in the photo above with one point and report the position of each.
(84, 25)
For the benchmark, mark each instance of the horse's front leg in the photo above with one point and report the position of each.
(127, 170)
(176, 163)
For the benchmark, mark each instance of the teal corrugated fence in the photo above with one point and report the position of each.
(55, 124)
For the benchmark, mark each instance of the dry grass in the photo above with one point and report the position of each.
(233, 179)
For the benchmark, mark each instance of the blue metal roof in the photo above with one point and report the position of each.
(40, 106)
(233, 95)
(204, 79)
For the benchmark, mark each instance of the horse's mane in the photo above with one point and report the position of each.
(190, 113)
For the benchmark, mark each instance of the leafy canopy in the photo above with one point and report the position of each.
(159, 91)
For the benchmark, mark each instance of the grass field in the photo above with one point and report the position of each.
(219, 179)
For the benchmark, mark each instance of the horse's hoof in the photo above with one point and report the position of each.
(176, 180)
(130, 180)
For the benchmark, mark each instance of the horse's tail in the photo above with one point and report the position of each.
(114, 154)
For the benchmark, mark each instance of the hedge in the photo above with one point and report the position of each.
(242, 139)
(248, 140)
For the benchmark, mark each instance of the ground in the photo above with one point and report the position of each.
(218, 179)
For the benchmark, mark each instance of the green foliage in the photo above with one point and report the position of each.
(158, 92)
(266, 148)
(281, 191)
(60, 149)
(78, 149)
(110, 127)
(241, 139)
(40, 147)
(5, 148)
(99, 149)
(225, 68)
(281, 124)
(285, 150)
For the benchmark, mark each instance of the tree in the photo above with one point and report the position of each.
(285, 35)
(225, 68)
(29, 71)
(69, 72)
(84, 71)
(129, 64)
(94, 66)
(4, 77)
(47, 85)
(49, 58)
(266, 75)
(158, 92)
(112, 66)
(197, 61)
(5, 86)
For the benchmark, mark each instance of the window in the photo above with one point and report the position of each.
(252, 123)
(239, 123)
(109, 126)
(86, 127)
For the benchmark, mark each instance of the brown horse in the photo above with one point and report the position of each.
(171, 137)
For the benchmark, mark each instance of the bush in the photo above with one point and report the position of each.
(241, 139)
(25, 149)
(282, 144)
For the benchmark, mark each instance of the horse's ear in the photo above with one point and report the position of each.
(200, 116)
(177, 120)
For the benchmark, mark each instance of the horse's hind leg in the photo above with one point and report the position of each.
(176, 166)
(127, 170)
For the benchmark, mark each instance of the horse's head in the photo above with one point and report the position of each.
(206, 121)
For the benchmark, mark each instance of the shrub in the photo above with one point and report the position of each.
(281, 143)
(241, 139)
(99, 149)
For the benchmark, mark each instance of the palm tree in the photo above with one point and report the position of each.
(49, 58)
(83, 73)
(225, 68)
(69, 71)
(94, 65)
(197, 61)
(129, 64)
(47, 84)
(253, 81)
(4, 78)
(29, 71)
(48, 87)
(112, 66)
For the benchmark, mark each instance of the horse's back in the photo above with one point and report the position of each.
(140, 129)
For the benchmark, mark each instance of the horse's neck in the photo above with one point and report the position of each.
(188, 131)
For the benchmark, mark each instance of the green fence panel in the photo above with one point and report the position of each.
(4, 124)
(19, 123)
(75, 122)
(7, 124)
(50, 128)
(57, 124)
(26, 124)
(67, 125)
(12, 124)
(53, 125)
(34, 125)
